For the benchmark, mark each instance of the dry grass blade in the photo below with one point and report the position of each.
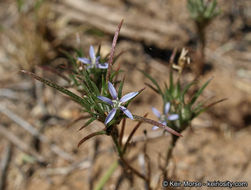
(114, 42)
(32, 130)
(73, 96)
(216, 102)
(21, 145)
(150, 86)
(84, 164)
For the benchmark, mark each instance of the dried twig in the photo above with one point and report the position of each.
(140, 26)
(85, 163)
(4, 165)
(7, 93)
(28, 127)
(81, 165)
(20, 144)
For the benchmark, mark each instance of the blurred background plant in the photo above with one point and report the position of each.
(179, 106)
(203, 13)
(32, 21)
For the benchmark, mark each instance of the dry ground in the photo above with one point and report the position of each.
(216, 148)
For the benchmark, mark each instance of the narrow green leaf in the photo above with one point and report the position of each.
(69, 56)
(73, 96)
(186, 89)
(150, 86)
(79, 52)
(198, 93)
(121, 88)
(171, 84)
(88, 123)
(168, 95)
(211, 9)
(153, 81)
(176, 91)
(95, 88)
(208, 106)
(98, 52)
(115, 73)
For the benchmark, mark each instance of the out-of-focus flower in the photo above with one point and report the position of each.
(184, 60)
(116, 103)
(93, 62)
(163, 118)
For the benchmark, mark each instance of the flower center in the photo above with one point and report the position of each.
(93, 62)
(162, 118)
(116, 103)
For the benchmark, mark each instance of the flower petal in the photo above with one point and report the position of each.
(97, 59)
(84, 60)
(89, 66)
(156, 112)
(103, 65)
(155, 128)
(92, 53)
(163, 123)
(105, 99)
(173, 117)
(167, 107)
(112, 90)
(128, 96)
(127, 112)
(110, 115)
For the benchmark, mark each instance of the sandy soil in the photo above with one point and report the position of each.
(215, 148)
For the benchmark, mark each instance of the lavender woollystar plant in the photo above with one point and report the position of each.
(116, 103)
(164, 117)
(93, 62)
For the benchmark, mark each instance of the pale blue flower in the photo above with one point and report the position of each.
(116, 103)
(93, 62)
(163, 118)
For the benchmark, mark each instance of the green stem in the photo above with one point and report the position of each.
(121, 152)
(107, 175)
(117, 146)
(170, 153)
